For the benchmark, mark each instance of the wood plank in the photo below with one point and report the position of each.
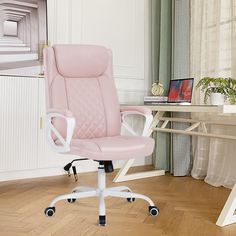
(187, 207)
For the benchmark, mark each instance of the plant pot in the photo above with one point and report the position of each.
(217, 99)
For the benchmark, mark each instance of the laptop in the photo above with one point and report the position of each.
(180, 92)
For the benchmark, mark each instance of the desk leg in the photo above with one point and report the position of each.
(122, 174)
(227, 215)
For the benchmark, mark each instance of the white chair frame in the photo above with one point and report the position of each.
(101, 191)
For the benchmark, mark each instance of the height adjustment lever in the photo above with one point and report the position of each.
(75, 173)
(68, 166)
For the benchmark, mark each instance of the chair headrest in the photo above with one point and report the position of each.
(81, 61)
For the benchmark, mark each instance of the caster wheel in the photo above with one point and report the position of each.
(50, 211)
(153, 210)
(130, 199)
(71, 200)
(102, 221)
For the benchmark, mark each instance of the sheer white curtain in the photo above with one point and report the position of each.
(213, 53)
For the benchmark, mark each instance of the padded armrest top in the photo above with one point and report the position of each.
(67, 113)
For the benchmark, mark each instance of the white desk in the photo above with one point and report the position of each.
(160, 123)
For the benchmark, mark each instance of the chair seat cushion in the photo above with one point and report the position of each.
(111, 148)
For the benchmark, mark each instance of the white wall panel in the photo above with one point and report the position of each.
(120, 25)
(114, 23)
(18, 123)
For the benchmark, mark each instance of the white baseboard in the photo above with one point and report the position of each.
(82, 167)
(26, 174)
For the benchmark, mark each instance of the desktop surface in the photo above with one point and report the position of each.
(193, 108)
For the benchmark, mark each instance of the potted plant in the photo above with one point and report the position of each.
(231, 90)
(218, 89)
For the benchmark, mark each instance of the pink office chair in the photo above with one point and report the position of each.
(84, 118)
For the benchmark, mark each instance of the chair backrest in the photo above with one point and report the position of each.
(79, 78)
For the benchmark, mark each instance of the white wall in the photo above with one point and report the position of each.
(121, 25)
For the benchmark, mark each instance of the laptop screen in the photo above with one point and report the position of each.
(180, 90)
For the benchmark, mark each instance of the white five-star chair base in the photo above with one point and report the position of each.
(101, 192)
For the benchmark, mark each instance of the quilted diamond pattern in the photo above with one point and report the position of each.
(86, 103)
(86, 88)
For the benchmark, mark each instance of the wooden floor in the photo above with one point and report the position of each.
(188, 207)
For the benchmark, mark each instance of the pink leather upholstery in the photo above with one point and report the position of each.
(92, 99)
(112, 148)
(93, 60)
(79, 81)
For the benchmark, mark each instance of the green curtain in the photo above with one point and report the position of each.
(161, 21)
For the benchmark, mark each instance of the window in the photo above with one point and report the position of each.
(10, 28)
(213, 27)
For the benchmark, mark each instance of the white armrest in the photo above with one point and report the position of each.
(63, 112)
(70, 121)
(132, 110)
